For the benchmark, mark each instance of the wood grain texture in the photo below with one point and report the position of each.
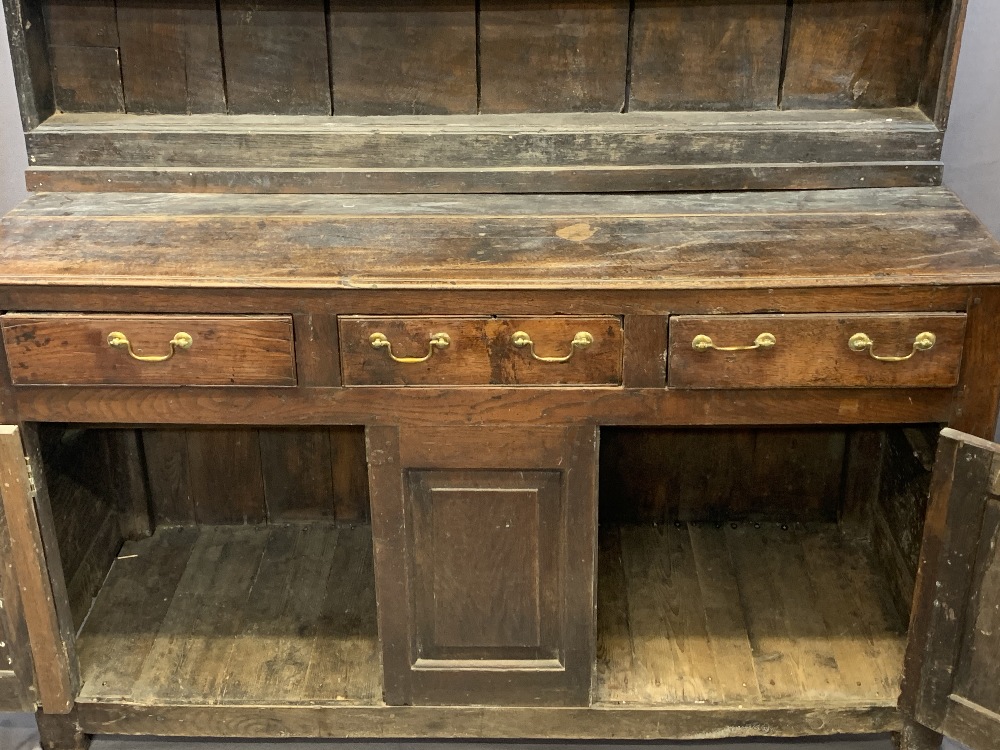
(859, 53)
(300, 628)
(405, 57)
(170, 57)
(481, 351)
(888, 238)
(30, 61)
(225, 470)
(297, 472)
(812, 350)
(710, 475)
(74, 350)
(724, 56)
(747, 616)
(46, 604)
(317, 351)
(553, 56)
(166, 460)
(979, 397)
(938, 84)
(276, 57)
(84, 53)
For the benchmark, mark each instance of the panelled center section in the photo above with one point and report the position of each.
(487, 564)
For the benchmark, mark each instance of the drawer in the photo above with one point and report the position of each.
(481, 351)
(853, 351)
(179, 349)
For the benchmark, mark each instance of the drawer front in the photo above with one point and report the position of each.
(217, 350)
(847, 351)
(481, 351)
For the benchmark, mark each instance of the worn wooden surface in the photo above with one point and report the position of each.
(858, 53)
(17, 677)
(706, 56)
(752, 615)
(283, 475)
(812, 350)
(657, 476)
(405, 57)
(532, 642)
(624, 242)
(481, 351)
(35, 555)
(84, 54)
(30, 62)
(276, 58)
(171, 58)
(72, 349)
(298, 625)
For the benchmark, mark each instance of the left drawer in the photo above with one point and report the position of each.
(197, 350)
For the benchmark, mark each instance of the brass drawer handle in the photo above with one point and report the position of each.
(703, 343)
(119, 340)
(438, 341)
(860, 342)
(581, 340)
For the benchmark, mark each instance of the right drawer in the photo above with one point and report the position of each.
(899, 350)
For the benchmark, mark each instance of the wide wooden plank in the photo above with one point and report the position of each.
(735, 615)
(298, 475)
(856, 53)
(166, 454)
(171, 60)
(225, 475)
(187, 660)
(691, 56)
(276, 59)
(404, 57)
(638, 244)
(552, 55)
(83, 48)
(350, 474)
(128, 613)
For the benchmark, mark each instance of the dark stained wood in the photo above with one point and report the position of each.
(126, 480)
(938, 83)
(30, 61)
(87, 79)
(276, 59)
(316, 351)
(965, 474)
(84, 54)
(552, 56)
(664, 476)
(39, 571)
(170, 57)
(75, 349)
(856, 53)
(61, 731)
(499, 405)
(170, 495)
(405, 57)
(706, 57)
(979, 398)
(350, 474)
(225, 472)
(721, 616)
(536, 649)
(645, 358)
(909, 236)
(298, 475)
(481, 351)
(812, 350)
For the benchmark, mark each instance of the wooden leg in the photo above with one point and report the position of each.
(61, 732)
(916, 737)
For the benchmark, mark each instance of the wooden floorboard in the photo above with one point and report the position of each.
(237, 615)
(743, 614)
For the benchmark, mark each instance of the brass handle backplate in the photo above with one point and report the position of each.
(861, 342)
(437, 341)
(119, 340)
(581, 340)
(703, 343)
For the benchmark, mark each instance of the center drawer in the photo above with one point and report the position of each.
(481, 351)
(879, 350)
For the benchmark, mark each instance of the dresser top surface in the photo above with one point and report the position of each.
(908, 236)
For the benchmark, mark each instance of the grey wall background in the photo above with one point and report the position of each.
(972, 169)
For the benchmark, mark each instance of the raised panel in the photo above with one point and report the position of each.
(483, 544)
